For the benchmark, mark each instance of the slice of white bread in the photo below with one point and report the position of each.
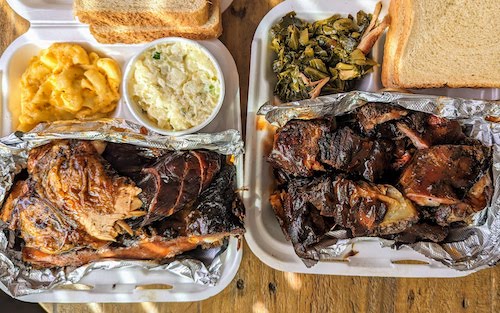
(140, 34)
(442, 43)
(142, 12)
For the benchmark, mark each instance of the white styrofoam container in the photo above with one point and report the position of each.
(52, 21)
(264, 235)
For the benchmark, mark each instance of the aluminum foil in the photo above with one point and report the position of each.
(200, 266)
(468, 248)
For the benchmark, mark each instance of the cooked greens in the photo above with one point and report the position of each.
(319, 57)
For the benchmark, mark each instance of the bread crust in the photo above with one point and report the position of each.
(390, 45)
(146, 17)
(132, 35)
(424, 85)
(111, 18)
(407, 15)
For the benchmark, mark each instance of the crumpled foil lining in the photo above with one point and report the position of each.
(200, 266)
(468, 248)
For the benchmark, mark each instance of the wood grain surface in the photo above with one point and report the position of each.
(260, 289)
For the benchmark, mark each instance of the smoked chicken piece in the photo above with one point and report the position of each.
(445, 174)
(309, 208)
(372, 114)
(455, 179)
(475, 200)
(369, 209)
(296, 148)
(42, 225)
(302, 148)
(426, 130)
(217, 215)
(72, 198)
(175, 181)
(74, 178)
(348, 152)
(301, 222)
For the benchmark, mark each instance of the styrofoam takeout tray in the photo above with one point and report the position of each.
(264, 235)
(52, 21)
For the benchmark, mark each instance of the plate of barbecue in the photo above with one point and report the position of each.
(122, 202)
(346, 180)
(95, 208)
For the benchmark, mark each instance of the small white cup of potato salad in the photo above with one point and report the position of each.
(174, 86)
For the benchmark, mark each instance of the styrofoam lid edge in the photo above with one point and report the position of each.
(44, 12)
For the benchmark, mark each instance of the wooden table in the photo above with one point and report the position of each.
(260, 289)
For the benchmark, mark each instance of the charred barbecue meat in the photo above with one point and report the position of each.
(302, 148)
(372, 114)
(170, 180)
(301, 222)
(454, 178)
(72, 195)
(309, 208)
(175, 181)
(476, 199)
(444, 174)
(128, 160)
(426, 130)
(392, 122)
(42, 224)
(217, 215)
(381, 171)
(348, 152)
(423, 231)
(296, 148)
(370, 209)
(75, 208)
(75, 178)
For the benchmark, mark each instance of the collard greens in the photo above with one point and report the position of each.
(320, 57)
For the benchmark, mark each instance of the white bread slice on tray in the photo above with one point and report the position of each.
(131, 35)
(142, 12)
(442, 43)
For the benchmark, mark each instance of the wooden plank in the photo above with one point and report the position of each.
(260, 289)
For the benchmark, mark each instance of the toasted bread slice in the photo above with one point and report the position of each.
(142, 13)
(439, 43)
(133, 34)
